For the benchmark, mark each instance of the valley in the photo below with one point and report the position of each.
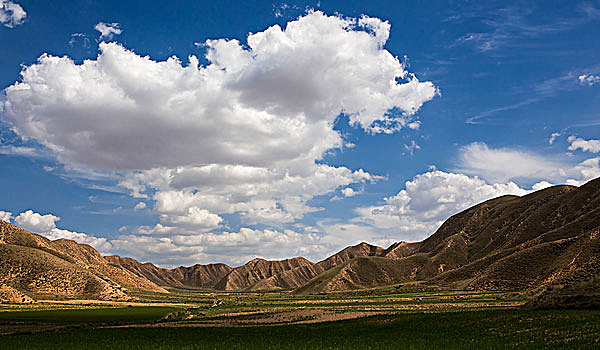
(500, 268)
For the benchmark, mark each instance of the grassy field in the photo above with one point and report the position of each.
(486, 329)
(371, 319)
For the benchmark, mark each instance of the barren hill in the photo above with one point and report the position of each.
(258, 274)
(197, 276)
(298, 276)
(37, 266)
(247, 275)
(508, 242)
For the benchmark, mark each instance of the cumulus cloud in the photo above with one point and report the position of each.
(427, 200)
(576, 143)
(35, 222)
(108, 30)
(5, 215)
(284, 91)
(348, 192)
(243, 134)
(45, 225)
(589, 79)
(11, 14)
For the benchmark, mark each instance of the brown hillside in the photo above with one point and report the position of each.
(10, 295)
(202, 276)
(298, 276)
(197, 276)
(361, 249)
(247, 275)
(37, 266)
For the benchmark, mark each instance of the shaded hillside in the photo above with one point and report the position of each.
(359, 273)
(508, 242)
(247, 275)
(298, 276)
(36, 266)
(197, 276)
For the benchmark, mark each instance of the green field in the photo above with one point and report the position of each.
(487, 329)
(90, 315)
(368, 319)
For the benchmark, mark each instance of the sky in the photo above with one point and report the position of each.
(197, 132)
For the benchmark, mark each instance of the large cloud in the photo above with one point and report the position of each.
(243, 134)
(271, 102)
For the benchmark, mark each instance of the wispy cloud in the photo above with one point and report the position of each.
(509, 24)
(542, 90)
(477, 118)
(25, 151)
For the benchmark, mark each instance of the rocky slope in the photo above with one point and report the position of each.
(245, 276)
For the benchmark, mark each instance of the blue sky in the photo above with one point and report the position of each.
(196, 132)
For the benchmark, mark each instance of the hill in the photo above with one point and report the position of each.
(508, 242)
(258, 274)
(197, 276)
(38, 267)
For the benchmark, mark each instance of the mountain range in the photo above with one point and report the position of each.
(547, 238)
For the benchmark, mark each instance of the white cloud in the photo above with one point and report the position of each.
(348, 192)
(250, 126)
(108, 30)
(45, 225)
(583, 172)
(230, 247)
(553, 137)
(5, 216)
(430, 198)
(504, 164)
(26, 151)
(541, 185)
(35, 222)
(589, 79)
(139, 206)
(11, 14)
(576, 143)
(285, 91)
